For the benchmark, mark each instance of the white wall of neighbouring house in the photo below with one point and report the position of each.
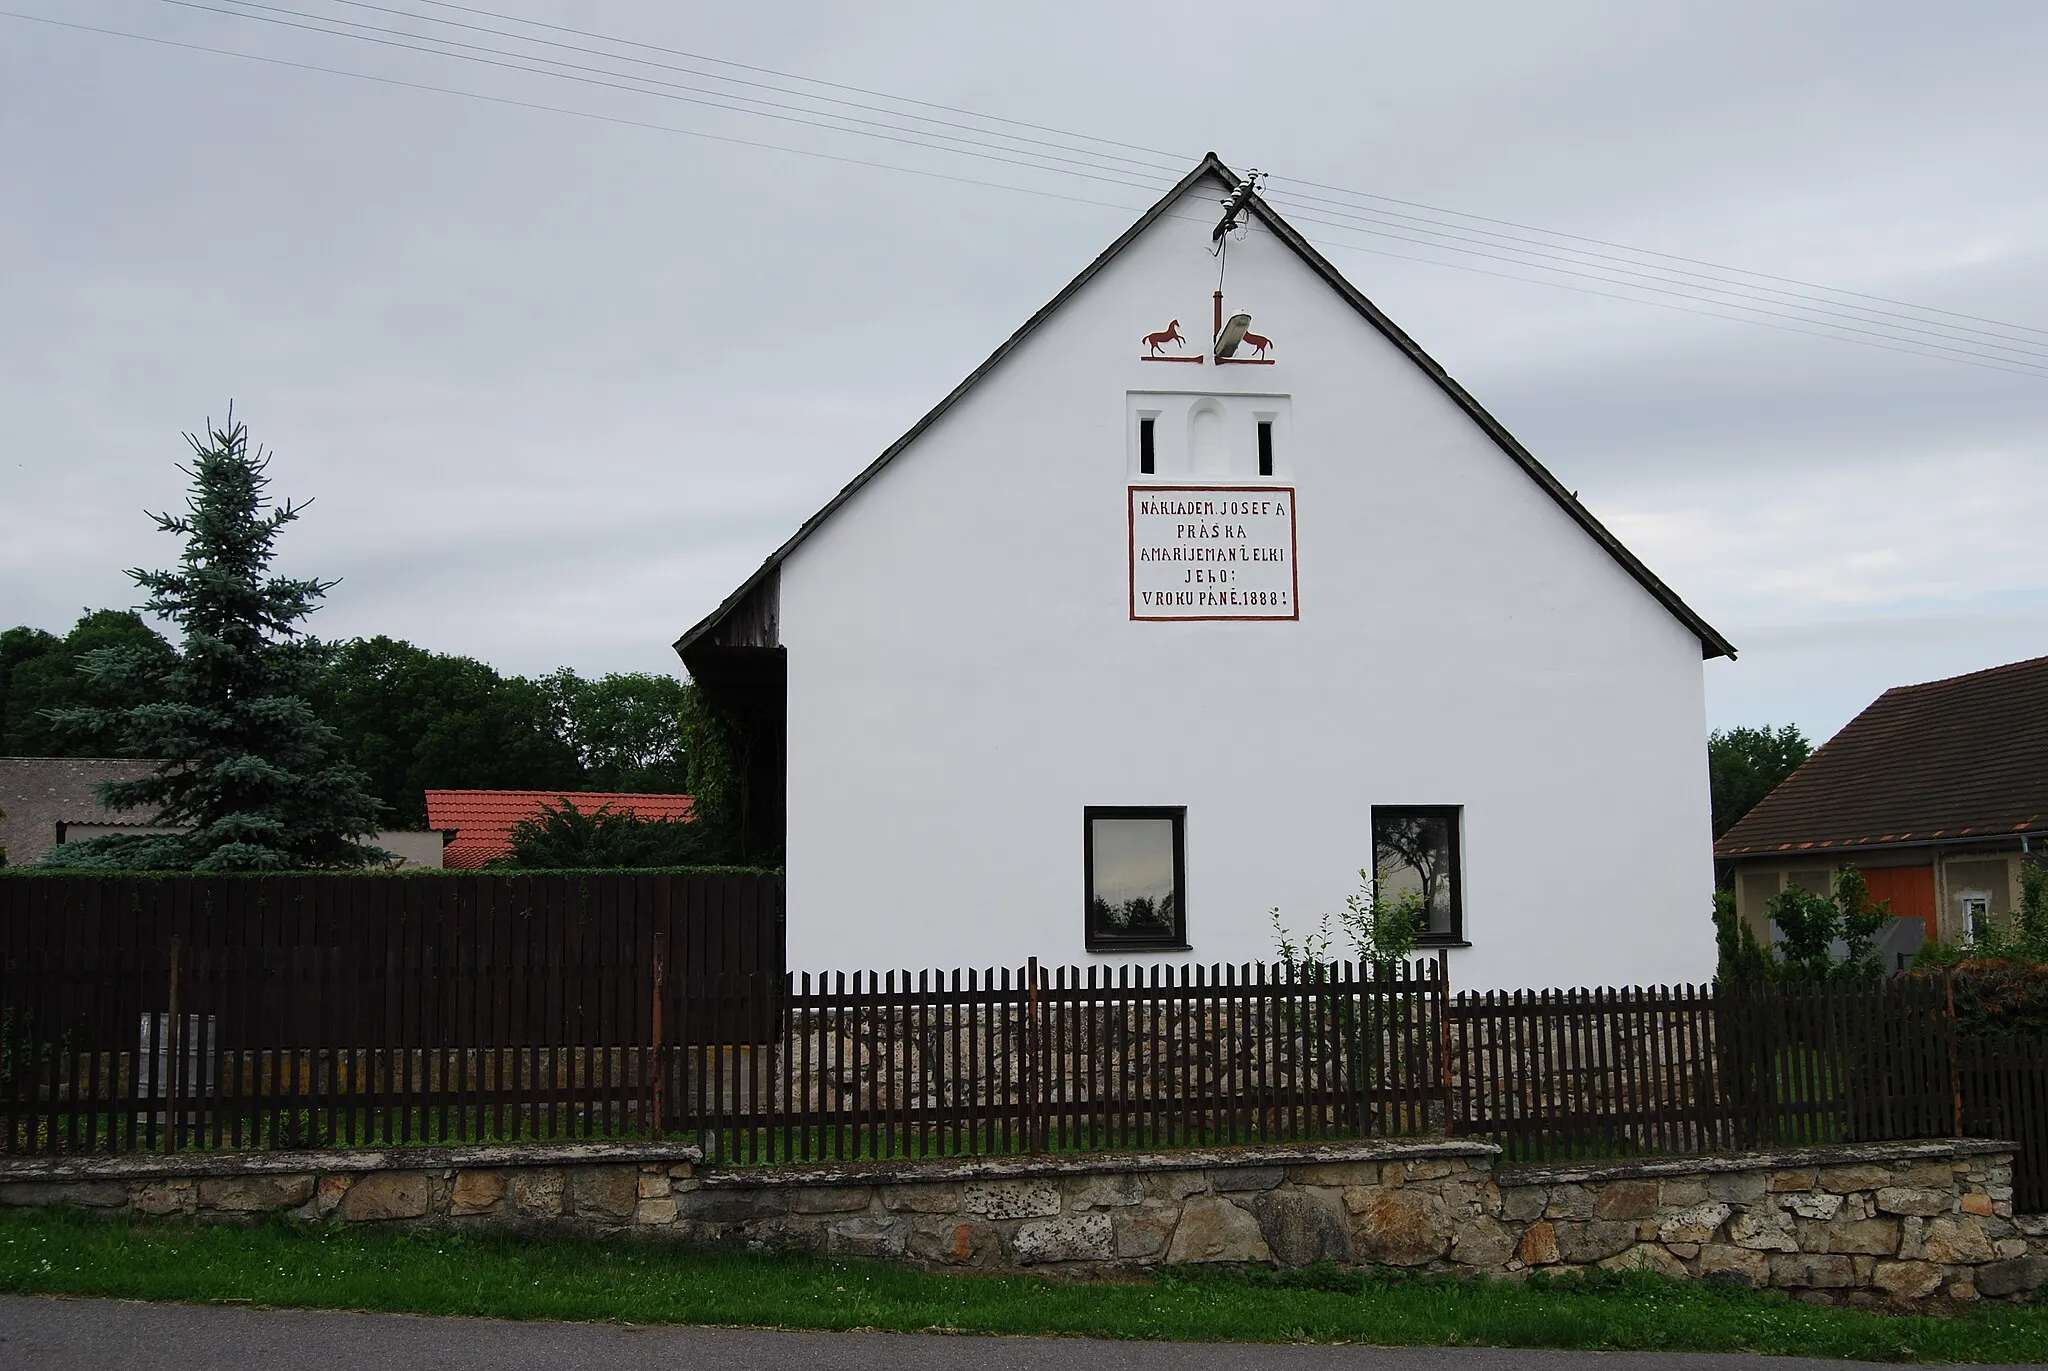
(412, 847)
(965, 676)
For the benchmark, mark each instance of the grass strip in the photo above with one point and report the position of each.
(503, 1275)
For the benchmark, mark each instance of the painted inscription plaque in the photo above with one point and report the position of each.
(1213, 552)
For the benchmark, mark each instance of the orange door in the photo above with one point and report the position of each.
(1910, 890)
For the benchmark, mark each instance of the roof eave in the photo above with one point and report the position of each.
(1822, 847)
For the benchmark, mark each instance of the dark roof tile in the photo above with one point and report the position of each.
(1961, 758)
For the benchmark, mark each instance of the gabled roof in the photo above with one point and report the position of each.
(1956, 759)
(482, 820)
(39, 795)
(1712, 644)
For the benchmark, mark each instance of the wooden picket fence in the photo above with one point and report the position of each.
(2002, 1085)
(1040, 1058)
(171, 1013)
(1560, 1074)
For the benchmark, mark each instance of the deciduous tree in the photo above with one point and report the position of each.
(1746, 764)
(42, 674)
(415, 720)
(626, 728)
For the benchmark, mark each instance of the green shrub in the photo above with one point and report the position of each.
(1997, 997)
(1812, 923)
(1742, 959)
(562, 836)
(2023, 940)
(1381, 931)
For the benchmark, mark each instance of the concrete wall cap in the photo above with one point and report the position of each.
(335, 1160)
(1082, 1164)
(1791, 1158)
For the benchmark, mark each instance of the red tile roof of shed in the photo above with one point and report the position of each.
(483, 819)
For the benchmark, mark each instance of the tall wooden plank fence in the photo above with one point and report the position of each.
(147, 1013)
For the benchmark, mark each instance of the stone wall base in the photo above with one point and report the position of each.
(1902, 1224)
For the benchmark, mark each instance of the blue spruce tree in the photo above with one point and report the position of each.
(244, 767)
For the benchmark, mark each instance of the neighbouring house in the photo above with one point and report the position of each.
(49, 801)
(1936, 793)
(1157, 623)
(480, 822)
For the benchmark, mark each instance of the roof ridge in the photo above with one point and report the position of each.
(2020, 665)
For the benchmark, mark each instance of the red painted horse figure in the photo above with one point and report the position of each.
(1257, 344)
(1171, 334)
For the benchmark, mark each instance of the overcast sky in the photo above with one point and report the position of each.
(556, 384)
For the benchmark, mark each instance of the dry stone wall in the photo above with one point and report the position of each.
(1896, 1222)
(1899, 1223)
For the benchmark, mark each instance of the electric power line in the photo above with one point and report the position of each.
(1912, 347)
(1178, 159)
(1681, 309)
(1312, 218)
(709, 100)
(1423, 225)
(1673, 257)
(592, 115)
(1170, 169)
(1607, 273)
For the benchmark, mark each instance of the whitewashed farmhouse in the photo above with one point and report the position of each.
(1126, 644)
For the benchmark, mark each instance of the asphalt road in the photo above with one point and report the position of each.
(96, 1335)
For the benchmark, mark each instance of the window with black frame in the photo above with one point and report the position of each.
(1134, 865)
(1415, 854)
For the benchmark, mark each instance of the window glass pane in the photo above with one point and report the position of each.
(1130, 891)
(1412, 852)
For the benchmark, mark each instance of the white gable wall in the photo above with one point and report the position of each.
(964, 679)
